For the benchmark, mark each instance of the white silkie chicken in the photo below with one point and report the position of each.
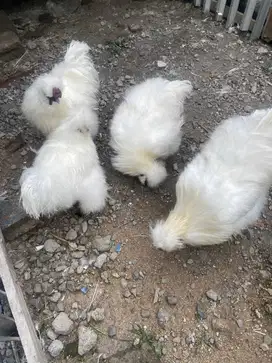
(71, 84)
(224, 188)
(66, 170)
(147, 126)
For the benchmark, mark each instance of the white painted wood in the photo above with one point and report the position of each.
(261, 18)
(207, 6)
(31, 344)
(220, 9)
(238, 17)
(197, 3)
(232, 13)
(249, 10)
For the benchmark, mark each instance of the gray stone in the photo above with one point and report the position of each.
(51, 246)
(84, 226)
(50, 334)
(162, 317)
(77, 254)
(55, 348)
(62, 324)
(267, 340)
(97, 314)
(111, 331)
(55, 297)
(10, 45)
(71, 235)
(161, 64)
(102, 244)
(100, 260)
(172, 300)
(87, 339)
(264, 347)
(212, 295)
(145, 313)
(38, 288)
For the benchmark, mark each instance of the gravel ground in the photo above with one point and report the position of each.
(95, 287)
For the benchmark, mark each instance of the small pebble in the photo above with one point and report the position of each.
(71, 235)
(212, 295)
(111, 331)
(55, 348)
(161, 64)
(172, 300)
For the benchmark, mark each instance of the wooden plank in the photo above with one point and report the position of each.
(220, 10)
(31, 344)
(267, 32)
(207, 6)
(232, 13)
(261, 18)
(238, 17)
(197, 3)
(249, 10)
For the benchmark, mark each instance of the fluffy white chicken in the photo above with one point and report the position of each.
(73, 83)
(224, 188)
(65, 171)
(147, 126)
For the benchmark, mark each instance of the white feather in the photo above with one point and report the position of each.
(65, 171)
(147, 126)
(78, 81)
(224, 188)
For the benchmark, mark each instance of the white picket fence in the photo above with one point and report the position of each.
(233, 16)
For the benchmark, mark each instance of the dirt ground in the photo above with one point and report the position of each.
(155, 302)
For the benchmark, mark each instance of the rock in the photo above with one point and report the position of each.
(77, 254)
(87, 339)
(264, 347)
(62, 324)
(55, 297)
(190, 339)
(101, 259)
(71, 235)
(38, 288)
(172, 300)
(134, 28)
(223, 326)
(161, 64)
(267, 340)
(265, 274)
(10, 44)
(113, 256)
(190, 261)
(262, 50)
(97, 314)
(50, 334)
(175, 167)
(123, 283)
(145, 313)
(127, 293)
(240, 323)
(31, 45)
(84, 226)
(162, 317)
(27, 275)
(212, 295)
(51, 246)
(102, 244)
(55, 348)
(111, 331)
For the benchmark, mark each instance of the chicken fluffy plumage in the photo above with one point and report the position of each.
(147, 126)
(77, 82)
(66, 170)
(224, 188)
